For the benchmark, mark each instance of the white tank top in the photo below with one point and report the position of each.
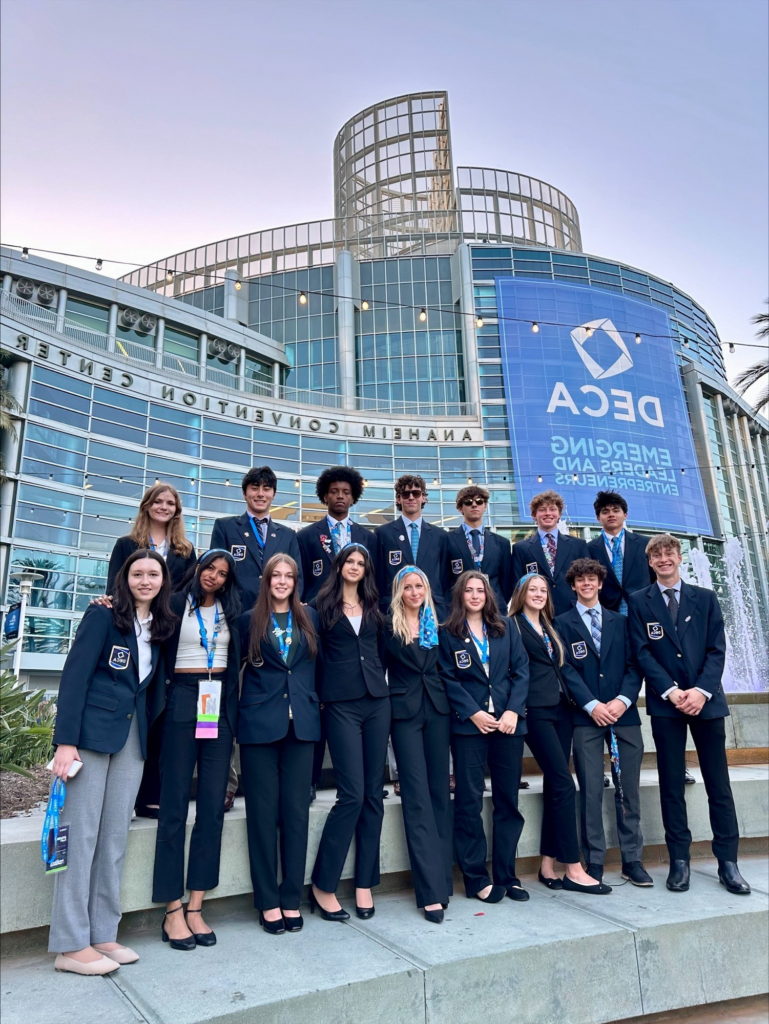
(191, 654)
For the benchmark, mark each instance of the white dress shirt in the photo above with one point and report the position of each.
(607, 542)
(345, 531)
(666, 599)
(587, 618)
(144, 644)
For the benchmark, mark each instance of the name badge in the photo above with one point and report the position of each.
(579, 650)
(457, 566)
(532, 567)
(395, 557)
(120, 658)
(209, 701)
(655, 630)
(238, 552)
(317, 567)
(462, 659)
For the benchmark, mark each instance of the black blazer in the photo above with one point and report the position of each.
(528, 556)
(351, 665)
(178, 565)
(692, 655)
(394, 552)
(496, 564)
(318, 557)
(270, 689)
(100, 690)
(612, 673)
(547, 680)
(468, 688)
(411, 671)
(636, 572)
(180, 606)
(236, 535)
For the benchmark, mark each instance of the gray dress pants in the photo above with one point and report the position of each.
(98, 808)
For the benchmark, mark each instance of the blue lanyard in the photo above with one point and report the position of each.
(284, 636)
(257, 531)
(545, 638)
(483, 648)
(55, 804)
(616, 549)
(479, 557)
(210, 650)
(154, 547)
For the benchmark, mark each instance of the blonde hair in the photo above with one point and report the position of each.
(401, 628)
(546, 498)
(177, 538)
(546, 614)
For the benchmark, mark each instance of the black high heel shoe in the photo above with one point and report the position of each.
(201, 938)
(186, 944)
(364, 913)
(434, 916)
(551, 883)
(293, 924)
(272, 927)
(327, 915)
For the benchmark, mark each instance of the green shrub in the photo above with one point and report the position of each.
(26, 724)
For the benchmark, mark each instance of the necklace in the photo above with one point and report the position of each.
(350, 607)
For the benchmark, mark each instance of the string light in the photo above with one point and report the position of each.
(479, 322)
(296, 483)
(638, 339)
(574, 478)
(539, 479)
(99, 264)
(238, 285)
(469, 479)
(169, 276)
(364, 304)
(227, 483)
(302, 299)
(535, 328)
(25, 253)
(435, 481)
(683, 471)
(423, 314)
(731, 347)
(589, 332)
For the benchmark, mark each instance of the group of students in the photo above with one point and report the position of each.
(446, 643)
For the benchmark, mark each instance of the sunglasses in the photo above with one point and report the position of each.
(412, 494)
(474, 501)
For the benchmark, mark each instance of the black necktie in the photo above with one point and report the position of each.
(261, 535)
(672, 605)
(475, 541)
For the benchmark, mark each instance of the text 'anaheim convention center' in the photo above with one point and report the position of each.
(445, 321)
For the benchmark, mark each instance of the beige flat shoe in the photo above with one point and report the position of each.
(120, 956)
(67, 963)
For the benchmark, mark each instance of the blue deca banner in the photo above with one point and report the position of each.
(591, 408)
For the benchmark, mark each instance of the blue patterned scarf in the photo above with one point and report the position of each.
(428, 630)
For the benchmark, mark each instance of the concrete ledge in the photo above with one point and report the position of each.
(558, 959)
(25, 892)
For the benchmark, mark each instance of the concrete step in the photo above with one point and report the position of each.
(558, 959)
(25, 892)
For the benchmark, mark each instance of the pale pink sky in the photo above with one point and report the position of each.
(138, 128)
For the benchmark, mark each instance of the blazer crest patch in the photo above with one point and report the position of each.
(579, 649)
(532, 567)
(654, 630)
(395, 557)
(238, 552)
(463, 659)
(119, 657)
(317, 567)
(457, 566)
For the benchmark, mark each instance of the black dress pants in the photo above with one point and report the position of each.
(549, 740)
(149, 791)
(421, 747)
(504, 755)
(357, 733)
(276, 782)
(180, 753)
(320, 753)
(709, 737)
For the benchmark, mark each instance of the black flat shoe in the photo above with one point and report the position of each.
(201, 938)
(313, 793)
(327, 915)
(729, 875)
(497, 893)
(599, 889)
(147, 812)
(515, 891)
(678, 876)
(293, 924)
(551, 883)
(523, 784)
(185, 944)
(364, 913)
(272, 927)
(595, 871)
(434, 916)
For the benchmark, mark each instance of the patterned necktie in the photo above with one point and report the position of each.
(475, 540)
(414, 540)
(618, 564)
(550, 551)
(260, 530)
(672, 605)
(336, 538)
(595, 628)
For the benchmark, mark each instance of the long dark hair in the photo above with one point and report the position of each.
(455, 622)
(124, 604)
(329, 599)
(227, 594)
(261, 616)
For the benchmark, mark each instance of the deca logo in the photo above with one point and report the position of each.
(581, 334)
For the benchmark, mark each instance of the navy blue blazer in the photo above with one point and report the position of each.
(467, 686)
(412, 670)
(394, 552)
(612, 673)
(496, 564)
(270, 689)
(691, 655)
(317, 556)
(636, 573)
(546, 677)
(235, 534)
(178, 565)
(186, 709)
(351, 664)
(528, 556)
(100, 690)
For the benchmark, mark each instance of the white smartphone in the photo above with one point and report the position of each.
(76, 766)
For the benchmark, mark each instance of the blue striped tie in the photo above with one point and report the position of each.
(414, 540)
(595, 628)
(617, 564)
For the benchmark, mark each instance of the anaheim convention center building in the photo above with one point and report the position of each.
(445, 321)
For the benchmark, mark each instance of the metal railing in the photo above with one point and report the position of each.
(134, 352)
(179, 364)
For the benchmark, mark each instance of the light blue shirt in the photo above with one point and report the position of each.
(543, 535)
(345, 532)
(467, 529)
(587, 618)
(407, 525)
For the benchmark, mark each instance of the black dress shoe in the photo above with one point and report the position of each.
(497, 894)
(272, 927)
(201, 938)
(515, 891)
(293, 924)
(729, 875)
(523, 784)
(143, 811)
(678, 876)
(599, 889)
(606, 782)
(551, 883)
(434, 916)
(689, 779)
(313, 793)
(327, 915)
(185, 944)
(595, 871)
(635, 872)
(364, 913)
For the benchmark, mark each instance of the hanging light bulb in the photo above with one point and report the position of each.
(535, 328)
(574, 477)
(25, 253)
(227, 483)
(683, 471)
(302, 299)
(364, 304)
(423, 314)
(435, 481)
(238, 285)
(99, 264)
(479, 322)
(169, 276)
(296, 483)
(469, 479)
(539, 479)
(638, 339)
(732, 348)
(646, 473)
(686, 342)
(589, 332)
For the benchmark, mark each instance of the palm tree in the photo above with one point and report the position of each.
(8, 406)
(758, 372)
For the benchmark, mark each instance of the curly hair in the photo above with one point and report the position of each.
(407, 481)
(339, 474)
(606, 498)
(585, 567)
(546, 498)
